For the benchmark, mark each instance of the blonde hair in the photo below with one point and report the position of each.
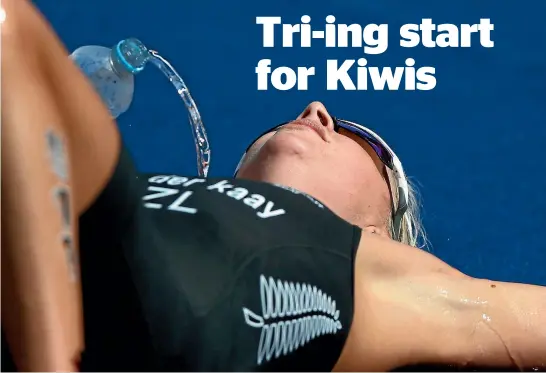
(412, 230)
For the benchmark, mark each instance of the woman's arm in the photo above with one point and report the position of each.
(59, 146)
(412, 308)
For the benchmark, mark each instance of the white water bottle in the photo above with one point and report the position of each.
(111, 71)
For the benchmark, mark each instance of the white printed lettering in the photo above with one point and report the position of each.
(268, 211)
(447, 35)
(194, 181)
(341, 74)
(177, 205)
(254, 201)
(238, 193)
(161, 192)
(268, 29)
(159, 179)
(177, 180)
(295, 191)
(221, 186)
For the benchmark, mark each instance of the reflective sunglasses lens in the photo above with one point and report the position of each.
(382, 153)
(376, 145)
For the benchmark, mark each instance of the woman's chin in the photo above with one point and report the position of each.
(287, 144)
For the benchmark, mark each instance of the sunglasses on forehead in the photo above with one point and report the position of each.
(386, 155)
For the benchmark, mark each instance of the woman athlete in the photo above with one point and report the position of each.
(296, 264)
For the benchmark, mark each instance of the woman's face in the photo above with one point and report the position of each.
(339, 169)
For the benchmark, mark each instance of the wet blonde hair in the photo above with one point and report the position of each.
(412, 231)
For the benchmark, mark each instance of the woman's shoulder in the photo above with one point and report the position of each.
(405, 312)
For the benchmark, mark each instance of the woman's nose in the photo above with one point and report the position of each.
(317, 111)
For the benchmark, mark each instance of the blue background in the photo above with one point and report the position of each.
(475, 144)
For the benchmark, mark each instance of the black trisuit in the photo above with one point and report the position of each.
(192, 274)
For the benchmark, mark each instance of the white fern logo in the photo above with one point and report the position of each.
(312, 313)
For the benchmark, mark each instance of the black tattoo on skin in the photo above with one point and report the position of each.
(62, 195)
(57, 154)
(71, 259)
